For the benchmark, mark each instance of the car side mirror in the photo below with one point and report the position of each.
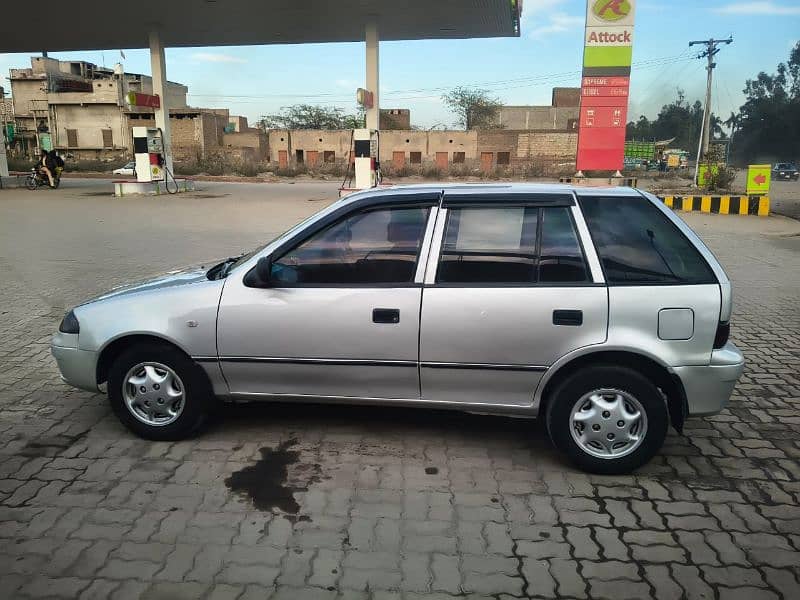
(260, 275)
(264, 269)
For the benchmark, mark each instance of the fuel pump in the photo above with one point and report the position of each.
(148, 152)
(366, 163)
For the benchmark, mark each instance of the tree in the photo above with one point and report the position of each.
(474, 107)
(309, 116)
(679, 120)
(768, 127)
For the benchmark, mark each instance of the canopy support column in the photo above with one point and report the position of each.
(158, 68)
(373, 113)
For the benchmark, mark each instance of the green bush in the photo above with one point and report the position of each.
(187, 168)
(459, 170)
(431, 172)
(87, 166)
(246, 169)
(20, 164)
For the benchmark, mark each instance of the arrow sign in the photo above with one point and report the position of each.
(758, 177)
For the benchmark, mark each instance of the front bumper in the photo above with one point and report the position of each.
(708, 388)
(78, 367)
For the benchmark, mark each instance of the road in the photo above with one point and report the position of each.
(286, 501)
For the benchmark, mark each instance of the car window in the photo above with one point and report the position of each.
(638, 244)
(489, 245)
(510, 245)
(373, 247)
(560, 256)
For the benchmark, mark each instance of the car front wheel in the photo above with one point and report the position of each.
(158, 392)
(607, 419)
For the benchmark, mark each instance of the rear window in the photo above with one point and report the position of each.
(638, 244)
(511, 245)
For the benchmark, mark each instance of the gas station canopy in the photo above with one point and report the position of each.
(109, 24)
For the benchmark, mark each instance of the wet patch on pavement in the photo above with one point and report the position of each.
(268, 485)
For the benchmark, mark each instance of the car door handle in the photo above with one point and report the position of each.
(385, 315)
(573, 318)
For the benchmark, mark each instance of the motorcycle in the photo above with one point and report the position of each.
(38, 178)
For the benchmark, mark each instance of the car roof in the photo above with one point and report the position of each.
(496, 189)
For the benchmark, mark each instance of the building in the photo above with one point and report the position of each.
(77, 106)
(394, 118)
(80, 109)
(474, 149)
(561, 115)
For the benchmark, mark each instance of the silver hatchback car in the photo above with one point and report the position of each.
(597, 309)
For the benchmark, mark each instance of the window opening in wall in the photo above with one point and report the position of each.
(415, 158)
(108, 138)
(329, 156)
(72, 138)
(503, 158)
(298, 155)
(459, 157)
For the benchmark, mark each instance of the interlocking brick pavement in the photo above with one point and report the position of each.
(392, 503)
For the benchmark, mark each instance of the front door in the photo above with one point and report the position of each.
(487, 160)
(340, 317)
(509, 294)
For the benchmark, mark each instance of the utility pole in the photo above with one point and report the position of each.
(712, 48)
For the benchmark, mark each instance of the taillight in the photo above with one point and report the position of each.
(723, 333)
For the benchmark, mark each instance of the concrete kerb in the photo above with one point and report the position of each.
(151, 188)
(723, 205)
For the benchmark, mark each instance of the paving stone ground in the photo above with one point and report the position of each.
(391, 503)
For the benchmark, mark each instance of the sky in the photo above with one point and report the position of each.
(258, 80)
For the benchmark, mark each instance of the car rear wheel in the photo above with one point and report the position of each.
(158, 392)
(607, 419)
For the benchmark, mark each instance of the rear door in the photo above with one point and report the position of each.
(664, 298)
(508, 291)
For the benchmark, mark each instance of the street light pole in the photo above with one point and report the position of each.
(712, 48)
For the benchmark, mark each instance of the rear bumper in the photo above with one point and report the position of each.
(78, 367)
(708, 388)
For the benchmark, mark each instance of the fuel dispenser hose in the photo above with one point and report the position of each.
(166, 181)
(167, 171)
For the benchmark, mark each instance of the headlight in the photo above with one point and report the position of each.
(69, 324)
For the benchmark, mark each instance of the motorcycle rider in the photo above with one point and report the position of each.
(47, 165)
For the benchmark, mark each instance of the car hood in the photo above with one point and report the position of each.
(175, 278)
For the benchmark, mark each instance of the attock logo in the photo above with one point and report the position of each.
(611, 10)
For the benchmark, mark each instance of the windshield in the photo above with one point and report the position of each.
(248, 255)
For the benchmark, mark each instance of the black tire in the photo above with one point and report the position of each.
(569, 391)
(198, 400)
(30, 182)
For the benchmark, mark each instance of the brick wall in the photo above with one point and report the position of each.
(521, 145)
(255, 139)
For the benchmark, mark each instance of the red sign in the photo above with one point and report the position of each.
(603, 116)
(618, 92)
(601, 148)
(601, 128)
(606, 81)
(137, 99)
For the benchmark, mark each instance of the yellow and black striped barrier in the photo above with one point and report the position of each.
(723, 205)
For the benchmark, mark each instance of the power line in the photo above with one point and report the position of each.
(497, 85)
